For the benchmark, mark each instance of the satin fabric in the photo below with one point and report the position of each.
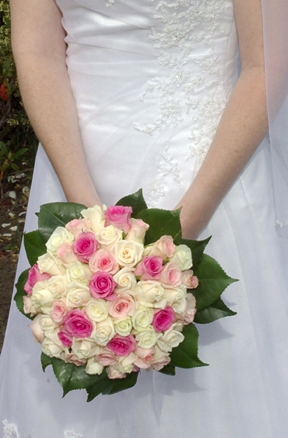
(150, 80)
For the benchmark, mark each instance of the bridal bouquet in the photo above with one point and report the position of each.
(111, 291)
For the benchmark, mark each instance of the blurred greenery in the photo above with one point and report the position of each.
(18, 143)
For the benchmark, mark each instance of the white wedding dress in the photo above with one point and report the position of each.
(151, 79)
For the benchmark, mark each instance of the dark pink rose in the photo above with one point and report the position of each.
(119, 217)
(102, 285)
(122, 345)
(77, 324)
(34, 275)
(85, 245)
(65, 338)
(149, 268)
(163, 319)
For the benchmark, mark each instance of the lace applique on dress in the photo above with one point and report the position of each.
(186, 28)
(10, 430)
(72, 434)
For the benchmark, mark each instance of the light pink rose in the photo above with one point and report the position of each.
(37, 329)
(119, 217)
(66, 254)
(122, 345)
(58, 311)
(190, 310)
(65, 338)
(123, 306)
(103, 260)
(113, 373)
(72, 358)
(137, 231)
(171, 275)
(161, 363)
(164, 248)
(34, 275)
(163, 319)
(149, 268)
(189, 280)
(106, 357)
(144, 357)
(77, 324)
(77, 226)
(28, 306)
(102, 285)
(85, 245)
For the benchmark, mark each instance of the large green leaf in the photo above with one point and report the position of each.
(18, 298)
(169, 370)
(136, 201)
(186, 354)
(96, 389)
(162, 222)
(45, 361)
(117, 385)
(57, 214)
(216, 311)
(34, 246)
(212, 282)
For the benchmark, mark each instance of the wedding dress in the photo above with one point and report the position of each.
(151, 79)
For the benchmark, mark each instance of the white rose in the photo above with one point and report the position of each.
(171, 338)
(125, 279)
(151, 293)
(78, 272)
(137, 231)
(109, 236)
(47, 324)
(50, 264)
(126, 363)
(93, 367)
(176, 298)
(37, 329)
(103, 332)
(123, 326)
(84, 348)
(97, 310)
(52, 346)
(147, 338)
(57, 285)
(160, 359)
(28, 308)
(41, 297)
(182, 257)
(142, 318)
(95, 216)
(77, 295)
(128, 253)
(58, 237)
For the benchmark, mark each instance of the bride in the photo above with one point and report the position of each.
(126, 94)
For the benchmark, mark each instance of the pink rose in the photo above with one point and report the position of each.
(106, 357)
(163, 319)
(78, 226)
(58, 311)
(72, 358)
(161, 363)
(189, 280)
(103, 260)
(102, 285)
(65, 338)
(122, 345)
(149, 268)
(85, 245)
(137, 231)
(34, 275)
(123, 306)
(119, 217)
(66, 254)
(144, 357)
(77, 324)
(164, 248)
(171, 275)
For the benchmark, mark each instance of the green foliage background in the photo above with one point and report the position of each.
(18, 143)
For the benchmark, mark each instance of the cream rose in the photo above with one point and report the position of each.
(128, 254)
(78, 272)
(95, 216)
(147, 338)
(137, 231)
(47, 324)
(109, 236)
(57, 285)
(151, 293)
(38, 332)
(50, 264)
(142, 318)
(58, 237)
(93, 367)
(97, 310)
(78, 295)
(126, 363)
(160, 359)
(171, 338)
(103, 332)
(125, 279)
(52, 345)
(182, 257)
(41, 297)
(84, 348)
(123, 326)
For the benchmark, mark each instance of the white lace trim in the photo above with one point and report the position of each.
(10, 431)
(72, 434)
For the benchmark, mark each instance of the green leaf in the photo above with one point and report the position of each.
(169, 370)
(45, 361)
(216, 311)
(162, 222)
(136, 201)
(186, 354)
(57, 214)
(71, 376)
(34, 246)
(18, 298)
(212, 282)
(117, 385)
(96, 389)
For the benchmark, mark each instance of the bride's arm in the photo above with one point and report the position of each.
(241, 129)
(39, 52)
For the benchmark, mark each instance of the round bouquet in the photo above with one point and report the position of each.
(113, 291)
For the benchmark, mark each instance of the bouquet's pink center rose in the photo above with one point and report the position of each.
(34, 275)
(65, 338)
(122, 306)
(171, 275)
(163, 319)
(150, 268)
(76, 324)
(85, 245)
(122, 345)
(102, 285)
(119, 216)
(103, 260)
